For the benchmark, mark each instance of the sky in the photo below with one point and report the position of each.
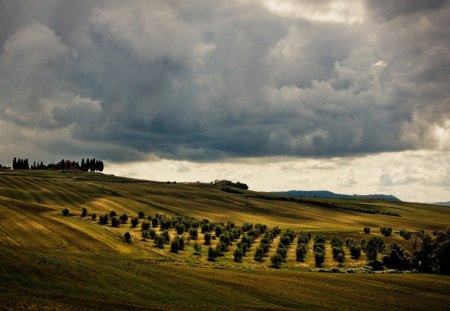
(348, 96)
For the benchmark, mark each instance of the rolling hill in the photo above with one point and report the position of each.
(50, 261)
(331, 195)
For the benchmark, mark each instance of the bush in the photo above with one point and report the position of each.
(84, 212)
(124, 218)
(301, 252)
(355, 251)
(134, 222)
(197, 248)
(145, 235)
(159, 241)
(145, 226)
(319, 258)
(115, 222)
(180, 228)
(166, 236)
(212, 254)
(373, 247)
(155, 222)
(193, 233)
(340, 258)
(397, 258)
(94, 217)
(386, 231)
(207, 238)
(103, 220)
(127, 237)
(66, 212)
(174, 246)
(259, 254)
(276, 260)
(141, 215)
(282, 251)
(238, 255)
(112, 214)
(366, 230)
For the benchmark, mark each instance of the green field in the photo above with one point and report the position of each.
(49, 261)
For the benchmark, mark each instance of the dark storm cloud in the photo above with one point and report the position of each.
(202, 82)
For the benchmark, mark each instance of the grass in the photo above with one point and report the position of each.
(50, 261)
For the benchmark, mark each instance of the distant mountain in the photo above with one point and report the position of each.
(332, 195)
(443, 203)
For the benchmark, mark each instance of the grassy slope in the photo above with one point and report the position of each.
(66, 262)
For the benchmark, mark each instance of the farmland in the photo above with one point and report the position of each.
(69, 262)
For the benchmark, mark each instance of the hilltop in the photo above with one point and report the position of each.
(70, 262)
(332, 195)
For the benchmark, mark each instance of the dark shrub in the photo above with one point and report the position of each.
(193, 233)
(212, 254)
(197, 248)
(84, 212)
(373, 247)
(207, 238)
(276, 260)
(94, 217)
(340, 258)
(145, 226)
(66, 212)
(366, 230)
(238, 255)
(355, 251)
(166, 236)
(174, 246)
(103, 220)
(124, 218)
(112, 214)
(127, 237)
(259, 254)
(115, 222)
(134, 222)
(180, 228)
(301, 252)
(141, 215)
(159, 241)
(319, 258)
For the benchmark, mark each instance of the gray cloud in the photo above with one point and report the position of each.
(202, 82)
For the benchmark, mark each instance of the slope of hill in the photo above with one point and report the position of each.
(331, 195)
(50, 261)
(443, 203)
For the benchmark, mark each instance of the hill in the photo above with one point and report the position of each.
(443, 203)
(331, 195)
(50, 261)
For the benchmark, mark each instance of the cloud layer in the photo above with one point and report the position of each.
(195, 81)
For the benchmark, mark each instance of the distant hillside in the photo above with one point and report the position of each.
(332, 195)
(443, 203)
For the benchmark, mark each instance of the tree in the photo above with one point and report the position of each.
(141, 215)
(159, 241)
(300, 252)
(174, 246)
(166, 236)
(238, 255)
(259, 254)
(355, 251)
(212, 254)
(366, 230)
(193, 233)
(65, 212)
(94, 217)
(127, 237)
(103, 220)
(124, 218)
(145, 226)
(276, 260)
(319, 258)
(207, 238)
(115, 222)
(134, 222)
(180, 228)
(197, 248)
(112, 214)
(373, 247)
(340, 258)
(84, 212)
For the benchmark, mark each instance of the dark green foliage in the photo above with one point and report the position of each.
(66, 212)
(124, 218)
(221, 248)
(207, 238)
(443, 256)
(115, 222)
(366, 230)
(218, 230)
(373, 247)
(180, 228)
(94, 217)
(259, 254)
(134, 222)
(112, 214)
(238, 255)
(276, 260)
(145, 234)
(175, 246)
(282, 251)
(225, 238)
(319, 258)
(103, 220)
(84, 212)
(127, 237)
(303, 238)
(155, 222)
(159, 241)
(336, 242)
(405, 234)
(197, 248)
(300, 252)
(193, 233)
(141, 215)
(355, 251)
(166, 236)
(397, 258)
(212, 254)
(340, 258)
(386, 231)
(145, 226)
